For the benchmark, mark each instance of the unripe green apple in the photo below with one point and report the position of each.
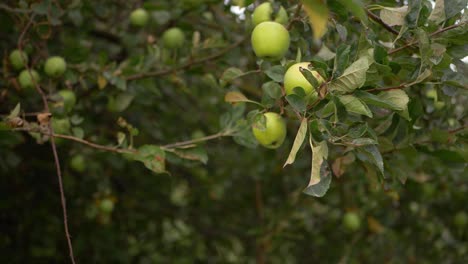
(26, 79)
(69, 99)
(461, 219)
(351, 221)
(173, 38)
(55, 66)
(270, 40)
(106, 205)
(18, 59)
(78, 163)
(61, 125)
(274, 133)
(294, 78)
(139, 17)
(264, 12)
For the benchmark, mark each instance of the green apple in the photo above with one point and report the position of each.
(139, 17)
(264, 12)
(55, 66)
(351, 221)
(27, 79)
(173, 38)
(270, 40)
(18, 59)
(61, 125)
(78, 163)
(294, 78)
(274, 133)
(106, 205)
(461, 219)
(69, 99)
(439, 105)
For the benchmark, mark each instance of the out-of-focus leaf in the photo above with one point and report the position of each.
(318, 16)
(356, 7)
(412, 17)
(297, 102)
(196, 153)
(438, 13)
(453, 7)
(320, 176)
(353, 77)
(229, 74)
(300, 136)
(354, 105)
(153, 157)
(276, 73)
(371, 154)
(397, 99)
(341, 60)
(394, 16)
(272, 89)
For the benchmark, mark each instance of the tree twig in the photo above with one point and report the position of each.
(52, 143)
(435, 33)
(194, 141)
(187, 64)
(401, 86)
(382, 23)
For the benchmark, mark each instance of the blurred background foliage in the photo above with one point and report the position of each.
(241, 206)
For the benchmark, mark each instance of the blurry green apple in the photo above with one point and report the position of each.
(78, 163)
(55, 66)
(274, 133)
(264, 12)
(461, 219)
(173, 38)
(351, 221)
(270, 40)
(294, 78)
(26, 78)
(18, 59)
(69, 99)
(139, 17)
(106, 205)
(61, 125)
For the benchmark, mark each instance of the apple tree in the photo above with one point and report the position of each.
(234, 131)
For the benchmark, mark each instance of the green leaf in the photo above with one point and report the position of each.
(354, 105)
(341, 60)
(340, 110)
(454, 7)
(276, 73)
(309, 77)
(363, 141)
(297, 102)
(397, 99)
(300, 136)
(412, 16)
(153, 157)
(426, 73)
(245, 138)
(320, 176)
(371, 154)
(229, 74)
(15, 112)
(272, 89)
(318, 16)
(325, 53)
(438, 13)
(353, 77)
(372, 99)
(120, 102)
(394, 16)
(356, 7)
(196, 153)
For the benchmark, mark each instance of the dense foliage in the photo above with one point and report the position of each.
(151, 105)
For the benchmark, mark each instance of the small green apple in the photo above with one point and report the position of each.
(78, 163)
(439, 105)
(173, 38)
(106, 205)
(55, 66)
(139, 17)
(351, 221)
(61, 125)
(69, 99)
(264, 12)
(294, 78)
(274, 133)
(18, 59)
(26, 78)
(270, 40)
(461, 219)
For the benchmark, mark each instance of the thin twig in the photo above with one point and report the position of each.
(93, 145)
(401, 86)
(52, 143)
(381, 22)
(431, 35)
(194, 141)
(14, 10)
(187, 64)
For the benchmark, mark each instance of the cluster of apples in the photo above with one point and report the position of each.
(270, 40)
(172, 38)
